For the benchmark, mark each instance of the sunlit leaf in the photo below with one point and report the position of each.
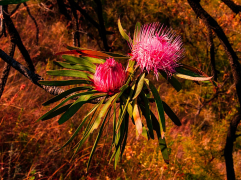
(70, 73)
(78, 60)
(122, 32)
(139, 86)
(75, 66)
(183, 76)
(137, 118)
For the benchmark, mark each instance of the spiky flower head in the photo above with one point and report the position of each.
(157, 48)
(109, 76)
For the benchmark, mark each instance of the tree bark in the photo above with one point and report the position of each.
(236, 72)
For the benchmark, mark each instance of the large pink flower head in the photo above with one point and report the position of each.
(157, 48)
(109, 76)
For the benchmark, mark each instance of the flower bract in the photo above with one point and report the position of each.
(156, 48)
(109, 76)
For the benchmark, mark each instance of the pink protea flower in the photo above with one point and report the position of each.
(156, 48)
(109, 76)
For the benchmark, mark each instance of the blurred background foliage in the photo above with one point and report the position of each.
(27, 147)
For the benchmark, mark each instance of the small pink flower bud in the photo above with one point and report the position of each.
(109, 77)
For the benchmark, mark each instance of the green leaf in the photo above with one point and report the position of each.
(147, 114)
(97, 139)
(139, 86)
(77, 60)
(88, 131)
(183, 76)
(80, 126)
(161, 140)
(117, 56)
(137, 32)
(173, 81)
(158, 104)
(6, 2)
(65, 93)
(57, 112)
(137, 118)
(70, 73)
(163, 146)
(171, 114)
(93, 60)
(75, 66)
(75, 107)
(122, 32)
(64, 83)
(63, 102)
(190, 75)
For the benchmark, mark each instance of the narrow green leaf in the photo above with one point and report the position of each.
(147, 114)
(103, 112)
(64, 83)
(62, 103)
(93, 110)
(75, 107)
(137, 32)
(117, 56)
(183, 76)
(126, 134)
(158, 104)
(75, 66)
(6, 2)
(66, 93)
(139, 86)
(137, 118)
(70, 73)
(79, 60)
(161, 140)
(171, 114)
(88, 131)
(98, 138)
(173, 81)
(122, 32)
(163, 146)
(57, 112)
(114, 123)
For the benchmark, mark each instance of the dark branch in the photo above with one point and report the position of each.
(15, 9)
(236, 72)
(89, 18)
(234, 7)
(35, 78)
(63, 9)
(212, 53)
(15, 38)
(29, 74)
(35, 22)
(6, 69)
(231, 137)
(102, 30)
(76, 37)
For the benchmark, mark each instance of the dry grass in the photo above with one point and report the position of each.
(27, 147)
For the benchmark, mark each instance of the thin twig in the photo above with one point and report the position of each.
(35, 22)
